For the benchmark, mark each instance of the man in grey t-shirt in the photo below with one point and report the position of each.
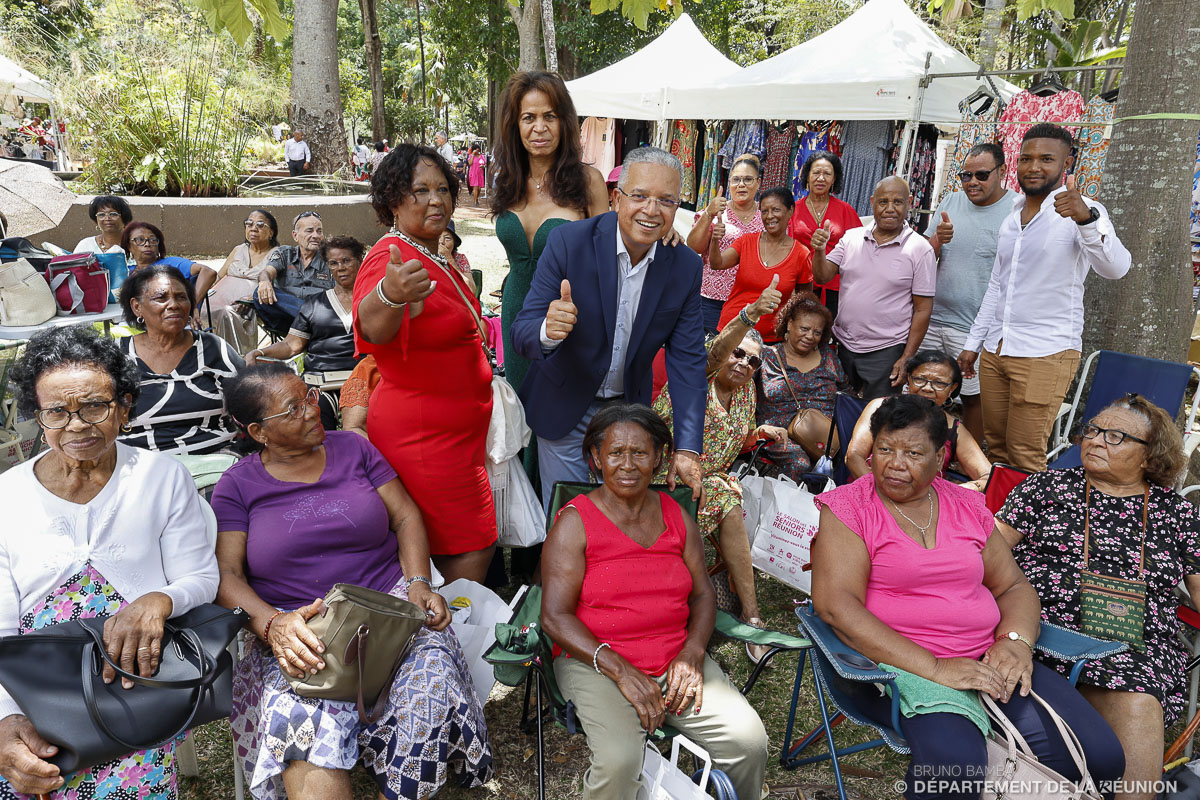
(965, 243)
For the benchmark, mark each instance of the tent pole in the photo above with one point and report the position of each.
(60, 154)
(1026, 71)
(905, 160)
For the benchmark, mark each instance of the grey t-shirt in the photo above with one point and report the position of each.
(295, 278)
(966, 262)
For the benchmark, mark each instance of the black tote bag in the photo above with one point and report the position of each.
(54, 675)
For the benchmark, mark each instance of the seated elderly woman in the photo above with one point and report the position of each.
(354, 400)
(237, 279)
(93, 528)
(907, 571)
(802, 371)
(629, 602)
(936, 376)
(324, 328)
(181, 370)
(733, 358)
(308, 510)
(147, 247)
(1115, 522)
(111, 214)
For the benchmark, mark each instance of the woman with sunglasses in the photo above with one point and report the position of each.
(1111, 536)
(304, 510)
(733, 358)
(934, 375)
(238, 277)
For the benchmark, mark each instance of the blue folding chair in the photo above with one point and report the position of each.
(847, 408)
(1117, 374)
(845, 674)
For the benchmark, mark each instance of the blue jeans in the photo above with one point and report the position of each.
(278, 316)
(562, 459)
(948, 749)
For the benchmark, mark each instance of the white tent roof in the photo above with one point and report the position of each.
(633, 88)
(15, 80)
(866, 67)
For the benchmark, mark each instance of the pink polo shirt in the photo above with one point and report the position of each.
(875, 307)
(934, 597)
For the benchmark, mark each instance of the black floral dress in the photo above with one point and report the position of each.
(777, 405)
(1048, 509)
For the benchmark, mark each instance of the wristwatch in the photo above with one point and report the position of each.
(1093, 215)
(1016, 637)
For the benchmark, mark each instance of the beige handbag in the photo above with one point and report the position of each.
(809, 428)
(25, 297)
(367, 635)
(1014, 773)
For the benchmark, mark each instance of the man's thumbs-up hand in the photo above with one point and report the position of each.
(820, 236)
(1070, 203)
(561, 315)
(945, 229)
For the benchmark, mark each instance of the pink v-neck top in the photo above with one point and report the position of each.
(934, 597)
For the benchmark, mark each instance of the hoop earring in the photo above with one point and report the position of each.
(140, 320)
(126, 428)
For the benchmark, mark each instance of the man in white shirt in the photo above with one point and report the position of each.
(1030, 324)
(445, 150)
(296, 151)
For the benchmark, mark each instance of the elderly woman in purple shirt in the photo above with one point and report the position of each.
(307, 510)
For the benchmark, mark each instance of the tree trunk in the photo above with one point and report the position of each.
(421, 45)
(1147, 188)
(528, 19)
(374, 67)
(989, 34)
(548, 35)
(316, 93)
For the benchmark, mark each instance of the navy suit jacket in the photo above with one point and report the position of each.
(562, 383)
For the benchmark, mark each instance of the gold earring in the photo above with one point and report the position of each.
(126, 428)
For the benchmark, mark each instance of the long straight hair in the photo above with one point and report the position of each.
(567, 179)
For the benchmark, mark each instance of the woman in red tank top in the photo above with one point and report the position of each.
(629, 603)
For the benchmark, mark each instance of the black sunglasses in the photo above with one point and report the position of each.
(741, 355)
(980, 175)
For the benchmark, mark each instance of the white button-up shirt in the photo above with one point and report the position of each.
(632, 278)
(1034, 299)
(296, 151)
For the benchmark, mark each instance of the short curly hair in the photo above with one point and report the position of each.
(356, 248)
(834, 161)
(902, 411)
(1165, 459)
(127, 236)
(74, 346)
(924, 357)
(136, 282)
(804, 303)
(392, 179)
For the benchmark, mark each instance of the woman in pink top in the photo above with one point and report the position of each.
(628, 600)
(906, 571)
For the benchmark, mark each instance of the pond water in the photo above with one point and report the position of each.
(295, 187)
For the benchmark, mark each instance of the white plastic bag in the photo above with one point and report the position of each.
(664, 780)
(508, 431)
(520, 519)
(786, 527)
(476, 629)
(753, 486)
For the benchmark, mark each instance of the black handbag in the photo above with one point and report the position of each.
(54, 675)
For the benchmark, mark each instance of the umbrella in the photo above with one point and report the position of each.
(32, 198)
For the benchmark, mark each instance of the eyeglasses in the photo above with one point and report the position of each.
(980, 175)
(1112, 436)
(145, 241)
(642, 199)
(108, 215)
(296, 410)
(742, 181)
(256, 224)
(921, 383)
(91, 413)
(741, 355)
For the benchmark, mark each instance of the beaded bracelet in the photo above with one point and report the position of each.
(595, 664)
(745, 319)
(267, 627)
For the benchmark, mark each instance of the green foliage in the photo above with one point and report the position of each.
(238, 17)
(1065, 9)
(637, 10)
(408, 120)
(264, 150)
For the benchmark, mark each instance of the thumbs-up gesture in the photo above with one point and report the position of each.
(945, 229)
(769, 300)
(718, 231)
(716, 206)
(820, 236)
(1070, 203)
(561, 315)
(407, 281)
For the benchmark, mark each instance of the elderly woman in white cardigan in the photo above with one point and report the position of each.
(93, 528)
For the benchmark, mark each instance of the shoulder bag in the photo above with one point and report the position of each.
(809, 428)
(79, 282)
(1016, 774)
(367, 635)
(54, 674)
(1110, 608)
(25, 299)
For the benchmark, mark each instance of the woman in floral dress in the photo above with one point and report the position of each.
(733, 358)
(1118, 515)
(93, 528)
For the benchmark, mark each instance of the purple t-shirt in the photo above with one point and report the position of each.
(304, 537)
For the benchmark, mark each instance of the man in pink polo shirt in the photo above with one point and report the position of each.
(888, 278)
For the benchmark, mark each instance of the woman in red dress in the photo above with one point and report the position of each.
(429, 416)
(821, 176)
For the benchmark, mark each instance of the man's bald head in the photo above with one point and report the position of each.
(892, 181)
(890, 204)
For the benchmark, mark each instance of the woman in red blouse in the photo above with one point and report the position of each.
(821, 175)
(762, 257)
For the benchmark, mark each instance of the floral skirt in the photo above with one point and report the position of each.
(433, 720)
(144, 775)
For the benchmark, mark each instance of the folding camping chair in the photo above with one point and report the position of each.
(844, 673)
(522, 652)
(847, 408)
(1117, 374)
(1004, 479)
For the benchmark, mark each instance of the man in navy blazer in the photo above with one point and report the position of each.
(605, 298)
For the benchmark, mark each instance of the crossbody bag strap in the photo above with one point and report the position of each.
(1087, 519)
(1074, 746)
(786, 379)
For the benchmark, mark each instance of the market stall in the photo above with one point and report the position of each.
(17, 86)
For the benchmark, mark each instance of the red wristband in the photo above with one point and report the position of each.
(267, 627)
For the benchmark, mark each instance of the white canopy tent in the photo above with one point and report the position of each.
(869, 66)
(19, 82)
(635, 87)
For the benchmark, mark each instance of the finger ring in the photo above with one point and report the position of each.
(143, 647)
(691, 690)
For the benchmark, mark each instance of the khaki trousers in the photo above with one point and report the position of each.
(1020, 399)
(727, 727)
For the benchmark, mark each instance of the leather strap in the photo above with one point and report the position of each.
(368, 718)
(208, 667)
